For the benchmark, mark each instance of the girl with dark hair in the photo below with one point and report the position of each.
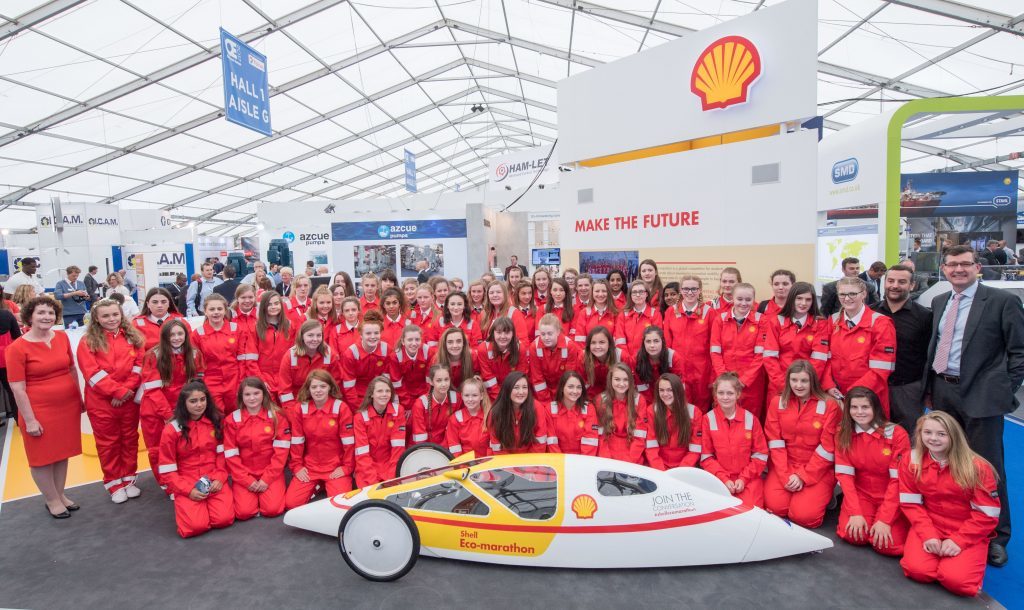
(541, 286)
(728, 277)
(344, 280)
(558, 304)
(225, 350)
(623, 429)
(165, 370)
(272, 336)
(346, 332)
(110, 358)
(600, 312)
(650, 277)
(501, 355)
(441, 288)
(309, 353)
(790, 336)
(455, 314)
(431, 411)
(157, 308)
(678, 424)
(688, 331)
(552, 354)
(322, 441)
(782, 281)
(393, 307)
(380, 431)
(733, 447)
(617, 284)
(515, 424)
(632, 321)
(467, 430)
(653, 359)
(598, 355)
(571, 415)
(257, 440)
(192, 463)
(800, 426)
(454, 353)
(364, 360)
(869, 450)
(669, 297)
(524, 303)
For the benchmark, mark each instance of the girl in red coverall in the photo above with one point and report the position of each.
(551, 355)
(634, 318)
(369, 285)
(243, 309)
(393, 303)
(455, 314)
(599, 354)
(499, 355)
(728, 278)
(365, 359)
(800, 425)
(475, 290)
(309, 353)
(380, 432)
(346, 331)
(541, 287)
(409, 366)
(733, 447)
(225, 351)
(794, 334)
(271, 338)
(678, 425)
(192, 447)
(622, 427)
(423, 313)
(602, 311)
(653, 359)
(522, 297)
(257, 439)
(558, 304)
(165, 370)
(869, 450)
(323, 440)
(649, 276)
(571, 413)
(736, 345)
(515, 425)
(466, 430)
(430, 412)
(157, 308)
(688, 331)
(454, 352)
(948, 493)
(110, 358)
(322, 309)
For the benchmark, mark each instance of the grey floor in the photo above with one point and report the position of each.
(130, 556)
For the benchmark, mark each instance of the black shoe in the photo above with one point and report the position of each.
(63, 515)
(74, 506)
(997, 556)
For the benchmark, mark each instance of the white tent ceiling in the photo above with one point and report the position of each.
(120, 101)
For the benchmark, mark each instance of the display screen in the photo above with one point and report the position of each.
(547, 256)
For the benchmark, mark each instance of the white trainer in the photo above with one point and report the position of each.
(132, 491)
(119, 497)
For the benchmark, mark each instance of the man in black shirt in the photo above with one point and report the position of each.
(913, 324)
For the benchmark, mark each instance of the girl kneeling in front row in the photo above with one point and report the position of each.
(380, 431)
(948, 492)
(322, 439)
(515, 424)
(733, 447)
(257, 438)
(466, 429)
(192, 463)
(622, 423)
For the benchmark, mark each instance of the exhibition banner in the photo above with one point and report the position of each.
(410, 171)
(517, 170)
(949, 194)
(246, 87)
(399, 230)
(837, 243)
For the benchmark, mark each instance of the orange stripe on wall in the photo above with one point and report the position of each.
(668, 149)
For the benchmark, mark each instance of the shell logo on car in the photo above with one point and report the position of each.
(584, 506)
(725, 71)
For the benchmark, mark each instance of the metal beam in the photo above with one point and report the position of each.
(36, 16)
(952, 125)
(965, 13)
(523, 44)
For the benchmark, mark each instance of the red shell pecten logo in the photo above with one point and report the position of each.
(725, 71)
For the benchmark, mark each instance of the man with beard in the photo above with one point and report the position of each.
(913, 324)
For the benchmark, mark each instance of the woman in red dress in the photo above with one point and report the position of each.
(44, 381)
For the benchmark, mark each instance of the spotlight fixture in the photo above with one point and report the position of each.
(476, 108)
(329, 209)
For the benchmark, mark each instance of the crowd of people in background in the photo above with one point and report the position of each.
(281, 391)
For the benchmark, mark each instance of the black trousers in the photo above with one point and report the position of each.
(985, 436)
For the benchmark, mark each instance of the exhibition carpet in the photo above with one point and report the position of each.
(1006, 584)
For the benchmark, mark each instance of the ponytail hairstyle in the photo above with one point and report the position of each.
(589, 360)
(730, 271)
(506, 325)
(963, 461)
(318, 375)
(372, 317)
(465, 360)
(680, 413)
(644, 366)
(502, 417)
(625, 283)
(606, 402)
(272, 409)
(300, 343)
(284, 325)
(212, 412)
(96, 336)
(567, 309)
(164, 353)
(408, 328)
(844, 435)
(213, 297)
(368, 398)
(802, 366)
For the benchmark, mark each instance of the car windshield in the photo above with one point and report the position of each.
(620, 484)
(426, 474)
(446, 497)
(531, 492)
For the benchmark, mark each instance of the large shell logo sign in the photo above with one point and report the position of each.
(725, 71)
(584, 506)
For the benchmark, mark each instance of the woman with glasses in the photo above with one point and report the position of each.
(861, 345)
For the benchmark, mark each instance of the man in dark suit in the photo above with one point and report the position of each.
(829, 298)
(227, 288)
(513, 261)
(178, 290)
(975, 366)
(873, 278)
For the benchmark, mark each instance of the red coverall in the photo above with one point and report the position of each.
(342, 336)
(409, 375)
(541, 430)
(690, 336)
(156, 401)
(430, 417)
(293, 370)
(630, 326)
(183, 460)
(323, 440)
(738, 348)
(256, 449)
(494, 367)
(109, 375)
(426, 320)
(601, 373)
(864, 355)
(868, 472)
(649, 387)
(734, 449)
(568, 427)
(674, 454)
(567, 327)
(801, 440)
(619, 444)
(246, 321)
(470, 328)
(150, 328)
(587, 319)
(455, 366)
(392, 331)
(548, 364)
(784, 344)
(225, 352)
(380, 441)
(466, 433)
(528, 322)
(365, 305)
(939, 508)
(359, 367)
(269, 353)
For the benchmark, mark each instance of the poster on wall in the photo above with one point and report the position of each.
(948, 194)
(837, 243)
(373, 259)
(600, 264)
(432, 253)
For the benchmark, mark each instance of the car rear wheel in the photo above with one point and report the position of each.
(379, 540)
(425, 456)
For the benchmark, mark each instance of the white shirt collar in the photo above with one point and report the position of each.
(855, 319)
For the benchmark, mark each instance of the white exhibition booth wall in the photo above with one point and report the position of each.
(700, 209)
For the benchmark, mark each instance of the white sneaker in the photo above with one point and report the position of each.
(119, 497)
(132, 491)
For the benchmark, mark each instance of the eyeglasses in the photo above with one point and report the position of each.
(959, 265)
(639, 292)
(689, 289)
(848, 295)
